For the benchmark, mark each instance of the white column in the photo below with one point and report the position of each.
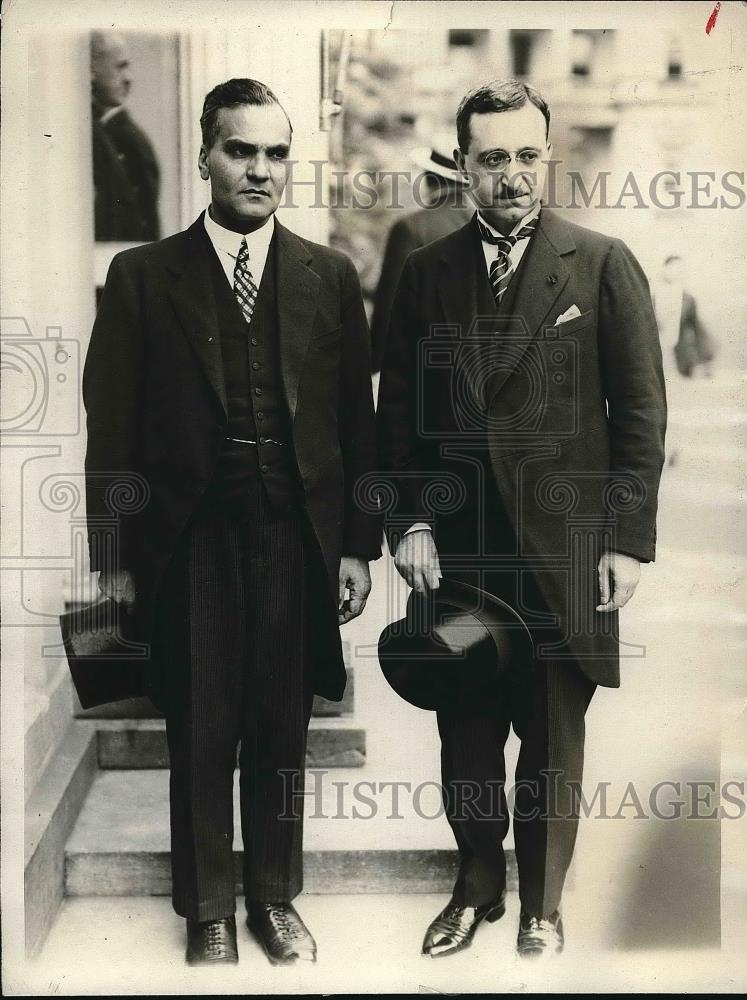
(47, 265)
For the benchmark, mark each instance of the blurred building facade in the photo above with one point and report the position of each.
(633, 119)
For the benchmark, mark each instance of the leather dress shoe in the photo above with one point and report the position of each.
(210, 942)
(540, 936)
(455, 926)
(281, 932)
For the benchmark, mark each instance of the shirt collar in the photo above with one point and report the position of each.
(523, 221)
(229, 242)
(110, 113)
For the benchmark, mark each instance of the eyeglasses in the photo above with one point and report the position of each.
(499, 159)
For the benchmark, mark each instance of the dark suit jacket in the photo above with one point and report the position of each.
(155, 396)
(416, 230)
(573, 414)
(126, 180)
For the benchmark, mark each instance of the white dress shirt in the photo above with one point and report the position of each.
(227, 244)
(491, 251)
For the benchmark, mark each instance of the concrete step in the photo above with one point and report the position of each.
(129, 744)
(120, 845)
(143, 708)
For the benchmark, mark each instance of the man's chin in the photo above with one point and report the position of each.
(253, 215)
(508, 213)
(514, 209)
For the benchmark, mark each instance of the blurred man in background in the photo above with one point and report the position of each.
(126, 175)
(687, 347)
(441, 189)
(685, 342)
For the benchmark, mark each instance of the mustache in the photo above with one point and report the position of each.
(512, 193)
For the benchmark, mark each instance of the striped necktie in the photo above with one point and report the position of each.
(243, 284)
(501, 270)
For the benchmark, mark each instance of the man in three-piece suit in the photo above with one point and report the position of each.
(523, 379)
(228, 378)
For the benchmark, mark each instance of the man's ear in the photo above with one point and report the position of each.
(202, 163)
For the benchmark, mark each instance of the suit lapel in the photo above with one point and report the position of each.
(298, 293)
(191, 291)
(542, 276)
(458, 278)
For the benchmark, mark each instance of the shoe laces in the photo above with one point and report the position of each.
(214, 936)
(453, 920)
(283, 921)
(540, 929)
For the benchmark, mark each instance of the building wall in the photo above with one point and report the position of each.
(50, 269)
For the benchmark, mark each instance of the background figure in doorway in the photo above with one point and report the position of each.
(126, 175)
(446, 209)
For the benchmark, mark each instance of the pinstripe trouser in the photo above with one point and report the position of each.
(233, 631)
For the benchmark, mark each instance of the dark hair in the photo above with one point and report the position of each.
(232, 94)
(498, 95)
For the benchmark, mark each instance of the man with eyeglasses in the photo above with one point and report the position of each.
(523, 365)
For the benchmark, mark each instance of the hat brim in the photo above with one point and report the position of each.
(423, 157)
(455, 646)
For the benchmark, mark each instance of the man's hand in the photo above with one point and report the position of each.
(356, 580)
(618, 574)
(119, 586)
(416, 560)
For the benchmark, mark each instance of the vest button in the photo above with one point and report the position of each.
(256, 366)
(264, 468)
(253, 341)
(262, 440)
(260, 415)
(258, 391)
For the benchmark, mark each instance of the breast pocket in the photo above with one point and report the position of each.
(324, 355)
(324, 340)
(572, 325)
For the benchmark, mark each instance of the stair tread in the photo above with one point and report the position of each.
(126, 812)
(153, 725)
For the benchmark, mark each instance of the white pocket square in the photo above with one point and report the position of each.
(571, 313)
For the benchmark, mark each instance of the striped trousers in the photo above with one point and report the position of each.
(232, 638)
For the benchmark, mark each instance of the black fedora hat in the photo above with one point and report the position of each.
(456, 646)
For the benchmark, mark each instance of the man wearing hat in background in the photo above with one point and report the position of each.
(441, 189)
(521, 425)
